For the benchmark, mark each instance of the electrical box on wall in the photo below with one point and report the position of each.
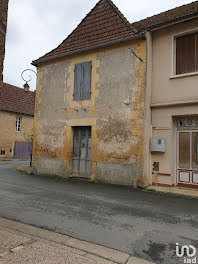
(158, 145)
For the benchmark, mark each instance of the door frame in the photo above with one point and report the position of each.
(190, 170)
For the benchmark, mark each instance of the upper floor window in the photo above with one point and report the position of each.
(18, 123)
(82, 81)
(187, 53)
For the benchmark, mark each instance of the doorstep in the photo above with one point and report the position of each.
(175, 190)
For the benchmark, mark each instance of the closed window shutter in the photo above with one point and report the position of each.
(78, 76)
(86, 87)
(185, 54)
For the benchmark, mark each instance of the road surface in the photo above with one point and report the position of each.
(144, 224)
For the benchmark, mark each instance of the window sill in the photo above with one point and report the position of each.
(80, 100)
(183, 75)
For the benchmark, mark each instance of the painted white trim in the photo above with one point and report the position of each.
(186, 32)
(183, 75)
(190, 170)
(172, 60)
(174, 151)
(173, 54)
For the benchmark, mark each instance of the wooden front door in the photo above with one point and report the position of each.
(81, 151)
(187, 171)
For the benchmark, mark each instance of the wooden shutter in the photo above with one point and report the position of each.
(185, 54)
(78, 77)
(86, 87)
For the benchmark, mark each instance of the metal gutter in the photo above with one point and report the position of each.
(17, 112)
(120, 41)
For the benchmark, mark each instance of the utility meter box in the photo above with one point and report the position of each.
(158, 145)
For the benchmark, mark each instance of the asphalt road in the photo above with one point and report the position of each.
(143, 224)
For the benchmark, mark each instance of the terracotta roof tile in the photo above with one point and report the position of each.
(168, 16)
(15, 99)
(103, 24)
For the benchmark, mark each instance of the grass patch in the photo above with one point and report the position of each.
(98, 181)
(149, 190)
(25, 170)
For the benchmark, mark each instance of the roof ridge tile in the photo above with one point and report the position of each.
(15, 99)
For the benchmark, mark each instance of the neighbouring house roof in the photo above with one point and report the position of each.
(169, 16)
(15, 99)
(104, 24)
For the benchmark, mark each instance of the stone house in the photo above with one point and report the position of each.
(16, 121)
(172, 81)
(90, 102)
(3, 28)
(118, 102)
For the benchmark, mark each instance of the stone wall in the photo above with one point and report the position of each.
(115, 113)
(3, 27)
(8, 134)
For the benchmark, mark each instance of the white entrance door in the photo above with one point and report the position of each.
(187, 158)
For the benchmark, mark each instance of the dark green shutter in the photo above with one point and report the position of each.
(78, 76)
(86, 87)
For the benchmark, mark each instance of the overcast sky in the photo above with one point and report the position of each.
(38, 26)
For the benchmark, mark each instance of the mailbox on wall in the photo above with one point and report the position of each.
(158, 145)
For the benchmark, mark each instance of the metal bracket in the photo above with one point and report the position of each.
(136, 55)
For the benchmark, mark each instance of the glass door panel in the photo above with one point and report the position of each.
(195, 150)
(188, 158)
(184, 150)
(81, 150)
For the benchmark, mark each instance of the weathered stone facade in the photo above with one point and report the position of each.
(90, 99)
(3, 28)
(115, 113)
(8, 134)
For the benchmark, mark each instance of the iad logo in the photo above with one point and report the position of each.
(189, 251)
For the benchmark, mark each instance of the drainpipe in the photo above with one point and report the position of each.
(147, 112)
